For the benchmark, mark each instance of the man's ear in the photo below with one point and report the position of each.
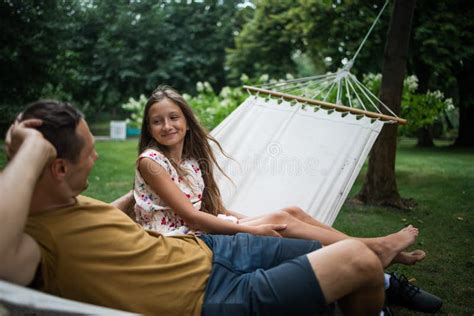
(59, 168)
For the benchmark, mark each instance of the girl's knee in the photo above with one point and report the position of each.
(279, 217)
(294, 211)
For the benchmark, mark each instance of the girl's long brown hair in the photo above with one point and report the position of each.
(196, 145)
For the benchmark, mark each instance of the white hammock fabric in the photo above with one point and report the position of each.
(24, 301)
(291, 155)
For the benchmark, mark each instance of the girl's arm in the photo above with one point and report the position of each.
(125, 203)
(235, 214)
(159, 180)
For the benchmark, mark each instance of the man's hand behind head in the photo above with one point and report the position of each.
(20, 132)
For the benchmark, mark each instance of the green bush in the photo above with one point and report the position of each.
(420, 110)
(211, 108)
(136, 107)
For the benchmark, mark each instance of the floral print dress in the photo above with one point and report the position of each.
(151, 211)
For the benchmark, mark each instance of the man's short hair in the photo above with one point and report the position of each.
(60, 120)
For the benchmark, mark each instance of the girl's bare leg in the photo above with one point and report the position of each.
(404, 257)
(305, 217)
(387, 248)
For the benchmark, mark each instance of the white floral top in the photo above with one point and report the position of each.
(151, 211)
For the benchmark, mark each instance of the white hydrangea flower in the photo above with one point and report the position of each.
(412, 83)
(264, 78)
(372, 77)
(436, 94)
(199, 86)
(449, 104)
(186, 97)
(207, 87)
(225, 92)
(224, 103)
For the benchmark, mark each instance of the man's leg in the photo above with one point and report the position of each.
(350, 273)
(240, 285)
(247, 280)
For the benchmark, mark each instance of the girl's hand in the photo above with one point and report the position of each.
(268, 229)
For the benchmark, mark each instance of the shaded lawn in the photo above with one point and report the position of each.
(441, 180)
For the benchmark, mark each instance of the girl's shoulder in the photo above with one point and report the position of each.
(152, 152)
(155, 155)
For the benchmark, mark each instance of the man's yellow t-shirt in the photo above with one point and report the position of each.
(92, 252)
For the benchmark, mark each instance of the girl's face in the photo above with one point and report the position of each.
(167, 124)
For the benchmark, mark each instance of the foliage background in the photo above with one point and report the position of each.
(98, 54)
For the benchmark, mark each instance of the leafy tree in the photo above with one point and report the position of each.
(283, 30)
(440, 49)
(266, 43)
(464, 72)
(31, 48)
(335, 29)
(103, 52)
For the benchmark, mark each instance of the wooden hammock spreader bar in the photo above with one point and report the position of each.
(329, 105)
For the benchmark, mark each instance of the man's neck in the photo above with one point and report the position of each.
(47, 201)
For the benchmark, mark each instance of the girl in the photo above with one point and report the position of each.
(176, 193)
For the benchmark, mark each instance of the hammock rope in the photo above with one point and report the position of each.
(333, 90)
(368, 33)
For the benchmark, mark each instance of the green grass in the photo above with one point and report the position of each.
(441, 180)
(113, 173)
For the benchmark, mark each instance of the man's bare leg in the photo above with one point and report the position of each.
(350, 273)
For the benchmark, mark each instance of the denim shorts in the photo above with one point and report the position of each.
(254, 275)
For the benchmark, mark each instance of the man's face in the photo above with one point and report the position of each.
(78, 172)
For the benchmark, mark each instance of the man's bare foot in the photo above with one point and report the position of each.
(409, 258)
(388, 247)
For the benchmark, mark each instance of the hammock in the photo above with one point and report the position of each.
(293, 143)
(287, 155)
(19, 300)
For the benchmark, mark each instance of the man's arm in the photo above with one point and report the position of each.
(19, 253)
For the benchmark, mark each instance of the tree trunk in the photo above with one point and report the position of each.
(380, 185)
(466, 127)
(466, 105)
(425, 136)
(423, 72)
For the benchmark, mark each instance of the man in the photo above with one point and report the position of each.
(90, 251)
